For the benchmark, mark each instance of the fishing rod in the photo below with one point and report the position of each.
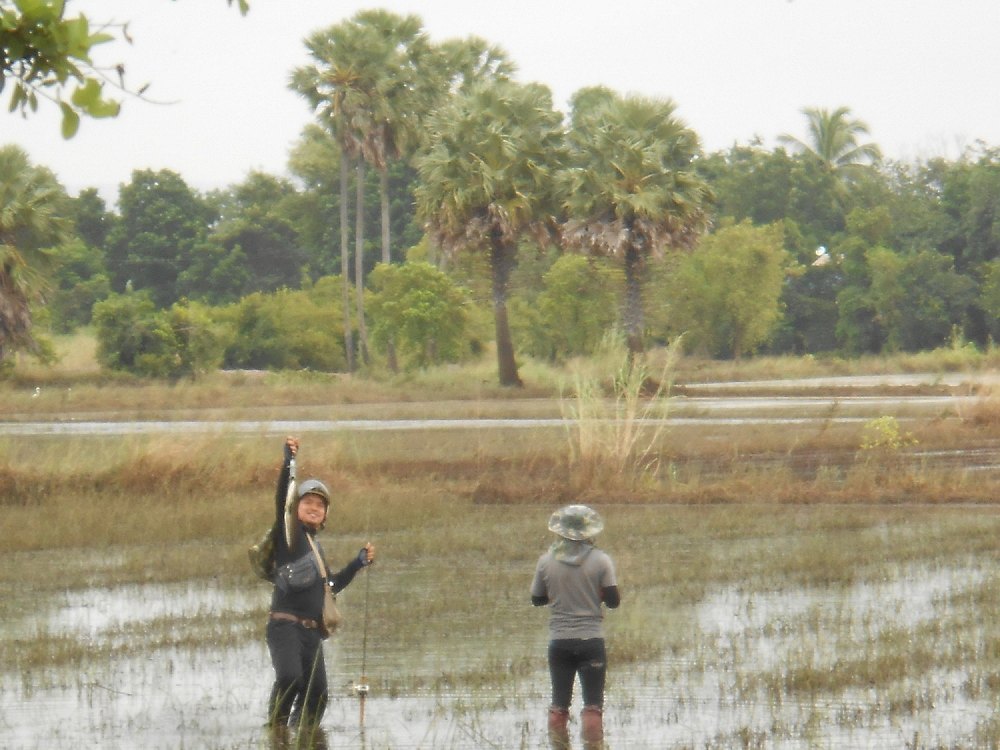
(361, 688)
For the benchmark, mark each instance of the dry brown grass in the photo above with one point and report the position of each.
(76, 386)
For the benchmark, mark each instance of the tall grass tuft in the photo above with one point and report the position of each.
(616, 415)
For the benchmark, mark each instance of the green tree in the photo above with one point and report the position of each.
(834, 140)
(33, 219)
(340, 96)
(750, 182)
(809, 323)
(487, 179)
(162, 221)
(133, 336)
(420, 308)
(92, 219)
(217, 274)
(768, 186)
(81, 279)
(918, 298)
(726, 295)
(459, 64)
(576, 308)
(631, 189)
(200, 339)
(988, 299)
(396, 73)
(315, 160)
(253, 248)
(81, 275)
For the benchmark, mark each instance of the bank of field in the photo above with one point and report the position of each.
(783, 587)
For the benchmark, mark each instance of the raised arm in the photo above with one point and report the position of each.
(281, 493)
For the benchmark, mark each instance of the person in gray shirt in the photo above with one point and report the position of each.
(574, 579)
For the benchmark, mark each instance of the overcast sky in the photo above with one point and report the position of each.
(923, 74)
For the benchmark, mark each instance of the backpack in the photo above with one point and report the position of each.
(261, 555)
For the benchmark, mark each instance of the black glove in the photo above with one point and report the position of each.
(363, 558)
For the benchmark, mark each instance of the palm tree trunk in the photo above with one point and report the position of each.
(15, 316)
(345, 256)
(390, 346)
(383, 189)
(633, 302)
(359, 258)
(501, 260)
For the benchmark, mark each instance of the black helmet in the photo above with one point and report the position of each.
(315, 487)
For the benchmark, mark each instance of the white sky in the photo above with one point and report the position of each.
(922, 73)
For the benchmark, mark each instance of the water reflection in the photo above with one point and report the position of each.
(312, 738)
(681, 411)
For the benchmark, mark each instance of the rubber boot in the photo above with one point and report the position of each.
(592, 726)
(558, 729)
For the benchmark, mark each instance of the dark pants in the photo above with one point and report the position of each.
(574, 656)
(299, 672)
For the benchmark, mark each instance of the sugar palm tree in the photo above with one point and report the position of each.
(462, 63)
(834, 139)
(33, 211)
(486, 180)
(630, 188)
(391, 51)
(370, 84)
(338, 88)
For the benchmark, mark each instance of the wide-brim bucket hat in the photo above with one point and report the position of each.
(576, 522)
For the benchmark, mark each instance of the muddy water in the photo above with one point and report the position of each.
(702, 695)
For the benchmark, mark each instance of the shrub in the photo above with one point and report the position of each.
(421, 310)
(286, 330)
(134, 336)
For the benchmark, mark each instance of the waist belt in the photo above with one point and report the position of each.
(310, 624)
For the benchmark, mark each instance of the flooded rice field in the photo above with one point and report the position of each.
(727, 679)
(743, 625)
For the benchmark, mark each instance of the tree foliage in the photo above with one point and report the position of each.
(726, 295)
(835, 141)
(576, 308)
(286, 330)
(135, 336)
(631, 190)
(422, 310)
(80, 281)
(488, 178)
(45, 53)
(34, 218)
(162, 222)
(918, 299)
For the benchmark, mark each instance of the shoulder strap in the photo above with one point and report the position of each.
(319, 557)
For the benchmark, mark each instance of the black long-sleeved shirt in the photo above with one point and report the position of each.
(306, 603)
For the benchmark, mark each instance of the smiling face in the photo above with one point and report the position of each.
(312, 511)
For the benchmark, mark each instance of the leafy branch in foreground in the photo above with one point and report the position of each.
(43, 54)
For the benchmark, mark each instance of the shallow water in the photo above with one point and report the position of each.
(702, 695)
(682, 411)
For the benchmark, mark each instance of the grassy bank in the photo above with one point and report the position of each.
(75, 385)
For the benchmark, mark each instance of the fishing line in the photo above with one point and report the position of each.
(362, 687)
